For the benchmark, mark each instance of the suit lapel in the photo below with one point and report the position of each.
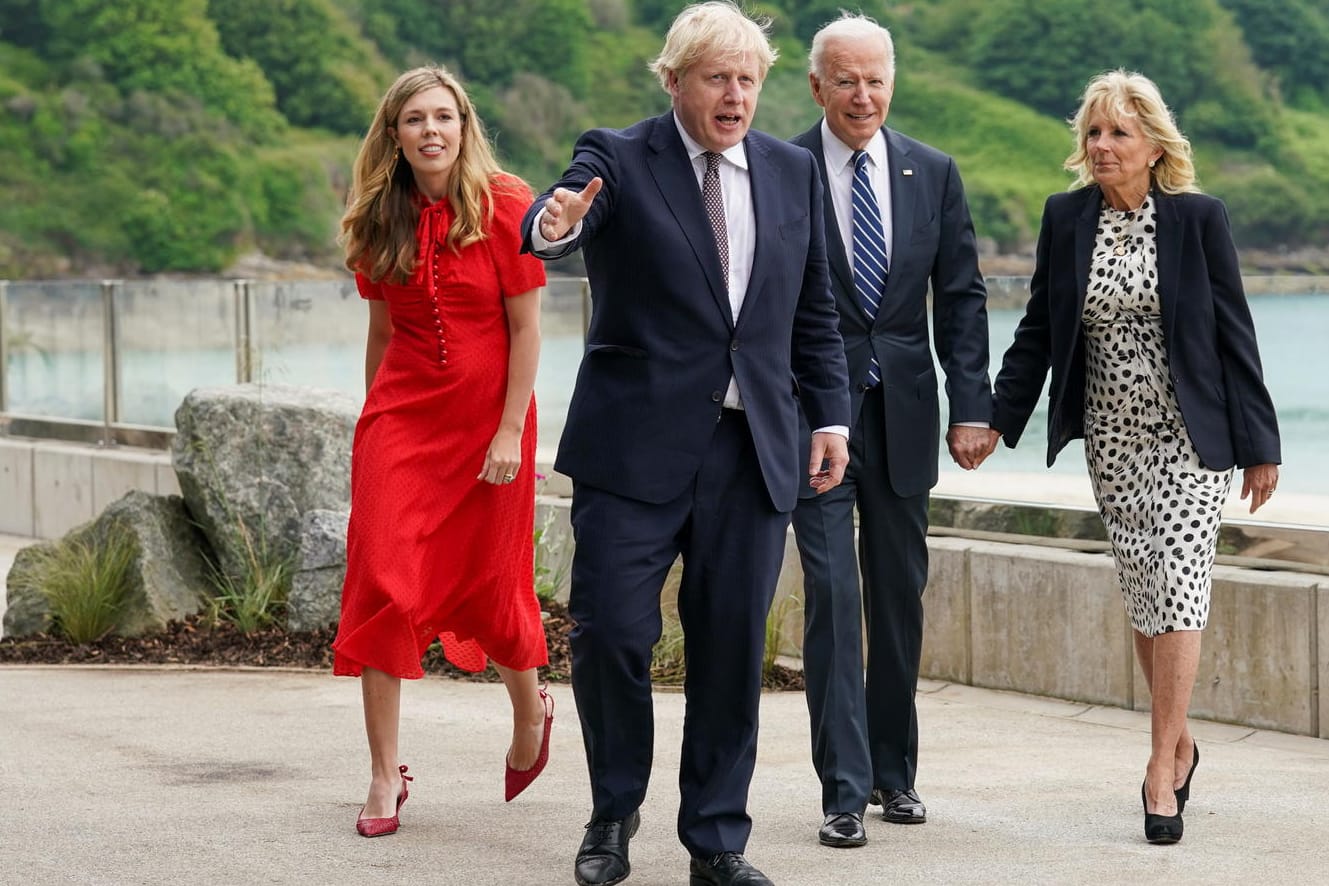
(1167, 235)
(1086, 230)
(764, 182)
(667, 159)
(904, 194)
(837, 255)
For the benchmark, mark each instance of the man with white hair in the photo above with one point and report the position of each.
(711, 320)
(896, 223)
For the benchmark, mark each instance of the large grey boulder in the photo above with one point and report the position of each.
(168, 577)
(26, 609)
(252, 460)
(315, 596)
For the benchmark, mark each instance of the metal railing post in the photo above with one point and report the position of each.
(110, 364)
(244, 342)
(4, 347)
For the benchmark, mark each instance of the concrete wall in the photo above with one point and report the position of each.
(1004, 616)
(47, 487)
(1052, 622)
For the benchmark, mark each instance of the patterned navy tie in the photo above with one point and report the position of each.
(870, 265)
(714, 200)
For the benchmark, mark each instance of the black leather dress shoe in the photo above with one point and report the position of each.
(900, 807)
(843, 831)
(602, 859)
(726, 869)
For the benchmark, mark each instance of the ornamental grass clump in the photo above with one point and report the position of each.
(256, 598)
(552, 561)
(86, 583)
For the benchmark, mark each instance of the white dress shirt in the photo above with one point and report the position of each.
(840, 175)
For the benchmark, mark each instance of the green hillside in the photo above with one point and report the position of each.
(147, 136)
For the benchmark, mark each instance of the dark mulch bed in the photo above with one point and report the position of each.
(196, 642)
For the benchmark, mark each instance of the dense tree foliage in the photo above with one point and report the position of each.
(324, 73)
(170, 135)
(1291, 39)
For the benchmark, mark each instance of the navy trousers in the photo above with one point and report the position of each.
(731, 540)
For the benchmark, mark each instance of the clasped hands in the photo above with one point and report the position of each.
(970, 446)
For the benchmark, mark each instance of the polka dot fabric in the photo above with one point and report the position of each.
(432, 551)
(1161, 507)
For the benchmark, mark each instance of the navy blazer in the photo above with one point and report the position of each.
(662, 343)
(932, 243)
(1208, 334)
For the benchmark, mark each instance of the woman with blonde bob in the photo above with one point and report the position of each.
(442, 474)
(1136, 305)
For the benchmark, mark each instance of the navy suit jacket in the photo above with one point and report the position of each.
(662, 343)
(1208, 335)
(933, 243)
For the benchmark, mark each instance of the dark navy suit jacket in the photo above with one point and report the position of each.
(1207, 331)
(933, 244)
(662, 343)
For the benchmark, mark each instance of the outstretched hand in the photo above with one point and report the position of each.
(565, 208)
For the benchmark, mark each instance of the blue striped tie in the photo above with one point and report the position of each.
(870, 264)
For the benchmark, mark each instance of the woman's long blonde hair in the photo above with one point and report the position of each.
(378, 229)
(1122, 93)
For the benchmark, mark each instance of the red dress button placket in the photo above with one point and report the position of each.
(438, 320)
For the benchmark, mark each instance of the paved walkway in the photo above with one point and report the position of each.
(175, 776)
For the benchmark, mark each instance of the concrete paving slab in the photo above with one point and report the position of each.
(169, 776)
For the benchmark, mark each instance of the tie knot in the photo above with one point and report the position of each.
(860, 160)
(712, 161)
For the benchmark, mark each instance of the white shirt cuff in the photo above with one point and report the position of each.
(842, 430)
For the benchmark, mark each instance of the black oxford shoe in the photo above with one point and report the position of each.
(602, 859)
(843, 831)
(726, 869)
(900, 807)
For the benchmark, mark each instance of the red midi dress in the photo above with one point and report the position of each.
(432, 551)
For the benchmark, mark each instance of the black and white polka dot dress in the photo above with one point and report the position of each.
(1160, 507)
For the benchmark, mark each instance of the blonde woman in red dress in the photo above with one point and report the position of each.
(442, 469)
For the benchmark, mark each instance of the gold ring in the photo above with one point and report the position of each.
(507, 478)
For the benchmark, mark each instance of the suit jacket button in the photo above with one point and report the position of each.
(862, 388)
(733, 345)
(716, 396)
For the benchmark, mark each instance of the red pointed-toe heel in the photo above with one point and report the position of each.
(381, 827)
(517, 780)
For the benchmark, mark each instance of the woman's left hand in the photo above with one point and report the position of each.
(1258, 482)
(503, 460)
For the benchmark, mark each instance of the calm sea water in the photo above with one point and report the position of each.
(1293, 333)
